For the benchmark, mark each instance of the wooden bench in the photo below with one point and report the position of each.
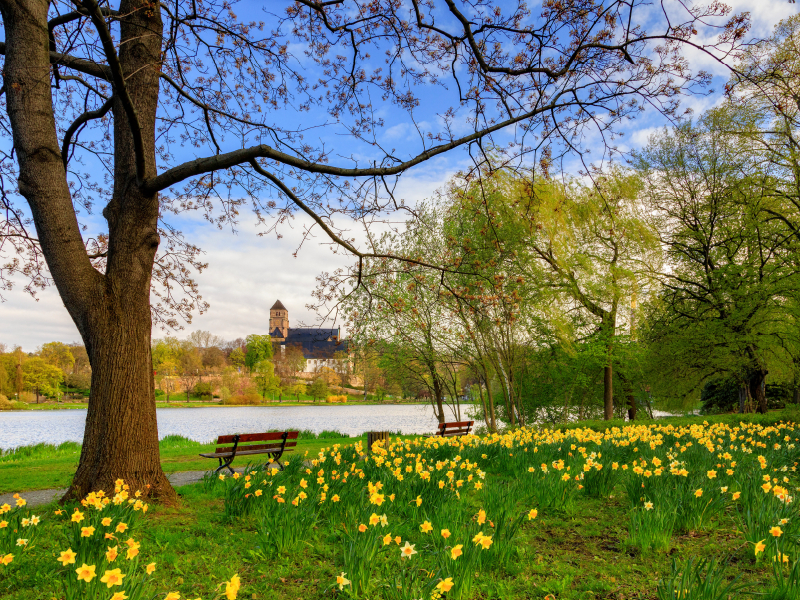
(249, 444)
(454, 428)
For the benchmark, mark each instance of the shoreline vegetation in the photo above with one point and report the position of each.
(23, 406)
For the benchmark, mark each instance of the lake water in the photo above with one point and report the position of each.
(24, 428)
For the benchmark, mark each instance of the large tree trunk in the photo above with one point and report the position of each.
(111, 310)
(121, 435)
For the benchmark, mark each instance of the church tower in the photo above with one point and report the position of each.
(279, 318)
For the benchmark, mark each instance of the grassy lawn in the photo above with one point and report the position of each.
(616, 514)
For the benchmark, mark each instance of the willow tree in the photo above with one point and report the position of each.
(149, 109)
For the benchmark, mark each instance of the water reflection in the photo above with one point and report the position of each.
(24, 428)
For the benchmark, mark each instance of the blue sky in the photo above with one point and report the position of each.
(247, 273)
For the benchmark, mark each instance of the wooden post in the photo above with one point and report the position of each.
(374, 436)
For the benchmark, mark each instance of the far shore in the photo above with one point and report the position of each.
(83, 405)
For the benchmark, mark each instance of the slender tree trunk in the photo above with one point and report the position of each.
(742, 398)
(490, 398)
(483, 405)
(757, 391)
(437, 399)
(608, 393)
(628, 389)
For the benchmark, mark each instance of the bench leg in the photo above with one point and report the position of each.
(225, 465)
(276, 459)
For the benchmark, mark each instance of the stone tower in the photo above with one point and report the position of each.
(279, 317)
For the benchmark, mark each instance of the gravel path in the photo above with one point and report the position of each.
(39, 497)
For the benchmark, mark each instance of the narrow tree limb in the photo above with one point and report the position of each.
(84, 118)
(337, 239)
(227, 160)
(304, 207)
(77, 14)
(118, 81)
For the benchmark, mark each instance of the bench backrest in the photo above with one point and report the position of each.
(455, 428)
(273, 440)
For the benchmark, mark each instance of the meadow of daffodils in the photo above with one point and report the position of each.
(426, 518)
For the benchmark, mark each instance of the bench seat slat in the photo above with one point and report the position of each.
(244, 453)
(455, 428)
(455, 424)
(242, 448)
(257, 437)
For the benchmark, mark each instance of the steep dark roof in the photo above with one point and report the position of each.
(309, 334)
(279, 306)
(276, 333)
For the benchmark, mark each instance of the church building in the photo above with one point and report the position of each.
(318, 345)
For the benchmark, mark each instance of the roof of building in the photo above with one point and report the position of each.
(279, 306)
(315, 343)
(310, 334)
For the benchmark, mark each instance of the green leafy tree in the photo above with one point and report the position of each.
(318, 389)
(237, 357)
(296, 389)
(728, 303)
(259, 348)
(41, 377)
(266, 380)
(58, 354)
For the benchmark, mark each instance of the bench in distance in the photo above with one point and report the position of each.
(454, 428)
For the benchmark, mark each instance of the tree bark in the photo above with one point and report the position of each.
(757, 391)
(608, 393)
(628, 389)
(437, 399)
(111, 311)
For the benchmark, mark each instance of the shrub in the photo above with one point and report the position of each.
(204, 389)
(243, 400)
(5, 404)
(333, 399)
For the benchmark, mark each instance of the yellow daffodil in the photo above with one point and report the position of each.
(407, 551)
(86, 572)
(342, 581)
(445, 585)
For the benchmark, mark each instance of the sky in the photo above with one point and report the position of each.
(247, 273)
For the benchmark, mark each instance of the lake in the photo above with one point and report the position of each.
(24, 428)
